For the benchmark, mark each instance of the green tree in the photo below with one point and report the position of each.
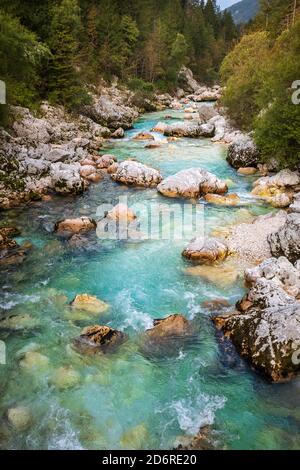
(277, 127)
(64, 80)
(178, 56)
(21, 56)
(244, 75)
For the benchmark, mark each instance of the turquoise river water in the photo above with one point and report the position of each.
(127, 400)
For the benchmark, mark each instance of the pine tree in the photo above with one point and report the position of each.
(64, 82)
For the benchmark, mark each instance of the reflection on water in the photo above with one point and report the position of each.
(128, 400)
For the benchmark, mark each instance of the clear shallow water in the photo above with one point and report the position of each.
(127, 400)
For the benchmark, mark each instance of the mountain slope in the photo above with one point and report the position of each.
(244, 11)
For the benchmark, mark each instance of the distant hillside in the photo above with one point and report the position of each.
(244, 11)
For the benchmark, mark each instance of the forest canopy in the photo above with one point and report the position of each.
(69, 43)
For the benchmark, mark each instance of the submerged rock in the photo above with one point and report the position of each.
(286, 241)
(65, 377)
(224, 275)
(19, 418)
(70, 227)
(143, 136)
(121, 213)
(135, 438)
(191, 183)
(34, 360)
(18, 323)
(89, 303)
(202, 441)
(247, 171)
(229, 200)
(98, 338)
(205, 250)
(137, 174)
(243, 153)
(215, 304)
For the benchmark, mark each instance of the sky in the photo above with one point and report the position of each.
(226, 3)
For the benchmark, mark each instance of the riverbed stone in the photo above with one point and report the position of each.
(99, 338)
(247, 171)
(205, 250)
(89, 303)
(173, 325)
(65, 377)
(74, 226)
(121, 212)
(135, 173)
(18, 322)
(143, 136)
(34, 360)
(19, 418)
(228, 200)
(191, 183)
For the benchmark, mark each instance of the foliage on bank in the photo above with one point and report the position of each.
(259, 75)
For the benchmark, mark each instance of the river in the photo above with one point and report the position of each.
(127, 400)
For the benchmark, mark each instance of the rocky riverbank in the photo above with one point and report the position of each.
(56, 152)
(44, 151)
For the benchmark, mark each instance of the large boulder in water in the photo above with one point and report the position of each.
(265, 326)
(89, 303)
(68, 227)
(134, 173)
(286, 241)
(167, 335)
(95, 339)
(191, 183)
(243, 152)
(183, 129)
(173, 325)
(205, 250)
(268, 338)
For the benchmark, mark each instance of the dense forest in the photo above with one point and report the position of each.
(53, 48)
(261, 75)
